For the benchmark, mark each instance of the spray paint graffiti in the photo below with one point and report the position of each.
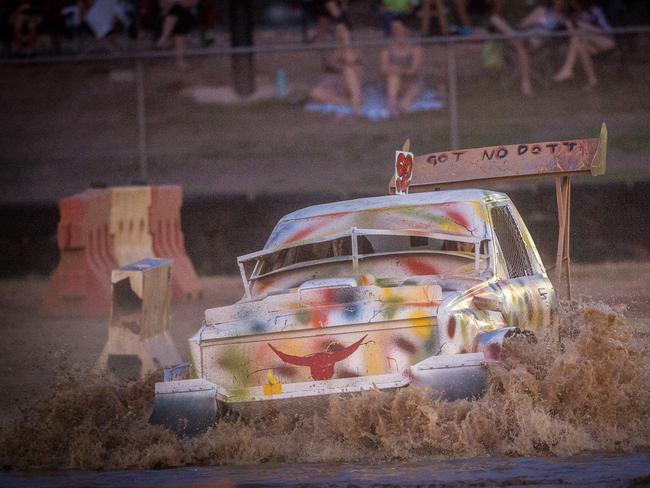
(321, 364)
(403, 171)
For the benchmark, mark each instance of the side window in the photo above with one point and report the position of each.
(512, 245)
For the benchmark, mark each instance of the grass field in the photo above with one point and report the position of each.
(65, 126)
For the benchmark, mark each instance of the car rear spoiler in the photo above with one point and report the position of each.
(466, 167)
(462, 168)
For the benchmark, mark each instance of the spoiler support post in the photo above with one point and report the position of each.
(562, 258)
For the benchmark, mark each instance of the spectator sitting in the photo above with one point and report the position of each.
(548, 18)
(341, 84)
(178, 20)
(543, 19)
(23, 23)
(401, 65)
(322, 11)
(394, 10)
(593, 35)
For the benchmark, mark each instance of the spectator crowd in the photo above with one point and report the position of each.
(25, 23)
(28, 25)
(588, 30)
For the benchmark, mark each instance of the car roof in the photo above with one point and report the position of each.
(392, 201)
(451, 212)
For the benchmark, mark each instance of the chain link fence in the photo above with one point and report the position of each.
(121, 117)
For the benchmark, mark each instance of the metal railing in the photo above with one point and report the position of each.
(291, 47)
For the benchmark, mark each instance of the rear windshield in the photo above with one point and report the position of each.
(340, 249)
(305, 253)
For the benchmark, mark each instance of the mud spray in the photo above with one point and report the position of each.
(585, 386)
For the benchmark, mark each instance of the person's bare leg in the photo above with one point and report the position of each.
(322, 28)
(168, 27)
(566, 71)
(586, 62)
(393, 83)
(524, 68)
(425, 17)
(597, 44)
(322, 95)
(179, 46)
(353, 84)
(412, 93)
(590, 46)
(461, 10)
(441, 10)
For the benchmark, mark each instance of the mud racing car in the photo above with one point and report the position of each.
(381, 293)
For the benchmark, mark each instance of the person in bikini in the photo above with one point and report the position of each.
(401, 65)
(341, 83)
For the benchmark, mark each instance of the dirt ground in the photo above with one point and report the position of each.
(34, 350)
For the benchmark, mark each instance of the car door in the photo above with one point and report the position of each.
(526, 292)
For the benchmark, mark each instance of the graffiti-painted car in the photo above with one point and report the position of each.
(383, 292)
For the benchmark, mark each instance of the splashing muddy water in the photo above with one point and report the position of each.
(587, 391)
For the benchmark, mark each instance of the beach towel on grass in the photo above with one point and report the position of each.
(375, 104)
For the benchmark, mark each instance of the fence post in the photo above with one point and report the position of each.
(142, 121)
(242, 24)
(452, 79)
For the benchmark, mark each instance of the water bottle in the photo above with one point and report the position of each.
(281, 84)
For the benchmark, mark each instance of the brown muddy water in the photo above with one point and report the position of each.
(600, 470)
(572, 409)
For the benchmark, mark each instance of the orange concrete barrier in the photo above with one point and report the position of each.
(80, 284)
(168, 239)
(102, 229)
(129, 223)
